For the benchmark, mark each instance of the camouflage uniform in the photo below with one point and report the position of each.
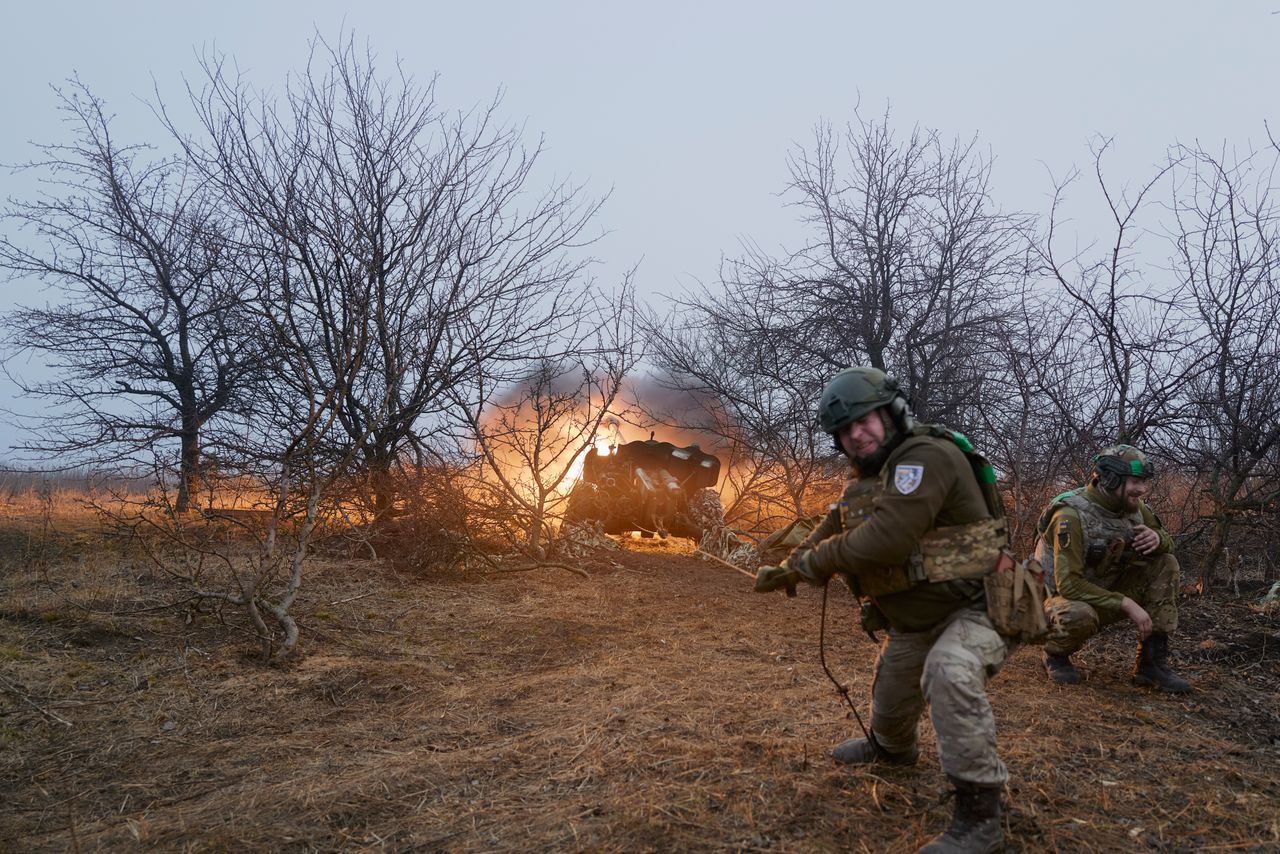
(1085, 538)
(917, 541)
(923, 518)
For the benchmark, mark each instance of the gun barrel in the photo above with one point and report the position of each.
(646, 482)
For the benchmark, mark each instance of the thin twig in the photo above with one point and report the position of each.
(33, 704)
(748, 573)
(88, 610)
(543, 564)
(352, 599)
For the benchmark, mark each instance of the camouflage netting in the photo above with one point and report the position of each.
(717, 539)
(579, 539)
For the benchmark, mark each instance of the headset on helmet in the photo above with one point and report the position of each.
(853, 392)
(1113, 464)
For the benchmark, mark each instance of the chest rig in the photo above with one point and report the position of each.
(857, 502)
(947, 553)
(1108, 536)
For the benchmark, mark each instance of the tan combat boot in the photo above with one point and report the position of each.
(859, 751)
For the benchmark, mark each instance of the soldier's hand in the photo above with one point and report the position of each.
(1145, 540)
(796, 561)
(1138, 614)
(770, 578)
(803, 565)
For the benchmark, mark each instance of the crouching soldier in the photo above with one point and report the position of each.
(915, 534)
(1111, 559)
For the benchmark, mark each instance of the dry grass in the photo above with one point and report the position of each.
(656, 706)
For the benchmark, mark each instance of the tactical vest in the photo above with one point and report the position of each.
(1108, 536)
(856, 503)
(948, 553)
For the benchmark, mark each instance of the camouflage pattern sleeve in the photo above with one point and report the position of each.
(906, 510)
(1152, 521)
(1067, 538)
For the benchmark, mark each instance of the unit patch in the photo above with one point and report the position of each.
(907, 478)
(1064, 534)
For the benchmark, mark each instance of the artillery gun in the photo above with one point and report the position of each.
(648, 486)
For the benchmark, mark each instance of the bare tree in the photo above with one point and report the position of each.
(734, 368)
(1227, 240)
(910, 268)
(912, 265)
(1121, 369)
(418, 225)
(531, 436)
(287, 451)
(1035, 452)
(148, 337)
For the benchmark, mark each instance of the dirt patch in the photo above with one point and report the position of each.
(657, 705)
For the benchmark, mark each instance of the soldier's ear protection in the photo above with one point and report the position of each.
(1111, 470)
(1109, 480)
(900, 412)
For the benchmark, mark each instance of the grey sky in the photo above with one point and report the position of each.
(687, 110)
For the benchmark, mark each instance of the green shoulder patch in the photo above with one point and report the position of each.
(1064, 533)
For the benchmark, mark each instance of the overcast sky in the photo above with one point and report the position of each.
(685, 112)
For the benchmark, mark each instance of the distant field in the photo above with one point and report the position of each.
(18, 481)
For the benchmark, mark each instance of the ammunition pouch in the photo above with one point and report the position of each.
(1015, 599)
(961, 551)
(872, 619)
(944, 554)
(884, 580)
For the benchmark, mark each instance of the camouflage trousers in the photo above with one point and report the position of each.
(1153, 585)
(948, 668)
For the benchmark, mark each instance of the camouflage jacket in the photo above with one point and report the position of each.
(1086, 537)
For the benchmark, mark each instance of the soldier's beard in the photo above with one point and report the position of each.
(1128, 503)
(870, 465)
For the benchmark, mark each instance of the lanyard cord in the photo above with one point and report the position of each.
(844, 692)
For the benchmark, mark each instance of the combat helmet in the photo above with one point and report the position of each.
(851, 394)
(1116, 462)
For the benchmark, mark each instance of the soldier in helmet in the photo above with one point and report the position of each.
(914, 534)
(1111, 559)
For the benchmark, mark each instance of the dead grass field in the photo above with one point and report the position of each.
(658, 705)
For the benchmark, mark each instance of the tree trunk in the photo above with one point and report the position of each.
(382, 489)
(535, 529)
(188, 467)
(1221, 528)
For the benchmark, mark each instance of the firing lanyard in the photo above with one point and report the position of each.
(844, 692)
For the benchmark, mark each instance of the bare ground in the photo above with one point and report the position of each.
(657, 705)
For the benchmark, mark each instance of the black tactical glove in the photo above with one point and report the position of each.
(801, 563)
(770, 578)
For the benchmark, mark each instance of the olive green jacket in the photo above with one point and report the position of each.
(1067, 540)
(926, 483)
